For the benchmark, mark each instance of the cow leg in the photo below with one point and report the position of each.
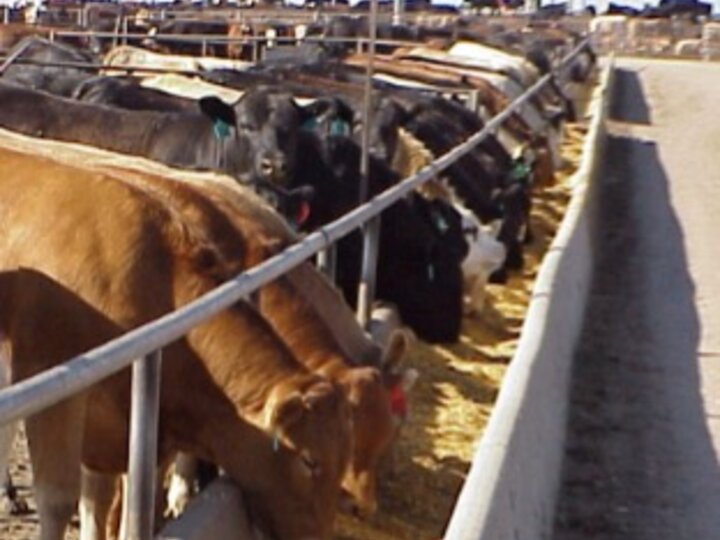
(97, 496)
(181, 483)
(10, 501)
(477, 296)
(55, 439)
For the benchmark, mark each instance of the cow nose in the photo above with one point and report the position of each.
(364, 510)
(266, 167)
(273, 168)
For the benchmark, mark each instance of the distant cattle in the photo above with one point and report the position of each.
(126, 56)
(59, 80)
(128, 93)
(253, 140)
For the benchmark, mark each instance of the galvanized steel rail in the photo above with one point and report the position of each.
(142, 345)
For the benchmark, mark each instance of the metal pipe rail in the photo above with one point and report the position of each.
(219, 39)
(60, 382)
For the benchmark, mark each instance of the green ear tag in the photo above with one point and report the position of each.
(440, 224)
(339, 127)
(519, 171)
(276, 443)
(221, 129)
(309, 124)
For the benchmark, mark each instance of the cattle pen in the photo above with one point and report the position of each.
(142, 346)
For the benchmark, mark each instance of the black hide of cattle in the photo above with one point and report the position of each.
(126, 93)
(261, 147)
(188, 27)
(483, 179)
(61, 81)
(421, 242)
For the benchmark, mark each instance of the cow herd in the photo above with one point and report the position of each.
(124, 198)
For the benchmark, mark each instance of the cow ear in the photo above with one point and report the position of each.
(218, 111)
(285, 412)
(398, 345)
(323, 106)
(401, 114)
(322, 392)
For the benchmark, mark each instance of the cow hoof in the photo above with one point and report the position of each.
(499, 277)
(13, 506)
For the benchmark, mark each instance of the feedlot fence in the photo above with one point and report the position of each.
(142, 346)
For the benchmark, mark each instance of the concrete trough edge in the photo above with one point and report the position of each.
(217, 513)
(511, 488)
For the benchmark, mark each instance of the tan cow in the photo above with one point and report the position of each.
(86, 255)
(308, 313)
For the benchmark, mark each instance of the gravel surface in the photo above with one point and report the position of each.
(642, 456)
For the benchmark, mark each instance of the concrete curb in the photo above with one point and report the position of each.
(217, 513)
(511, 488)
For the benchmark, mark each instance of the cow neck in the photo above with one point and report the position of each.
(246, 359)
(299, 324)
(327, 300)
(241, 351)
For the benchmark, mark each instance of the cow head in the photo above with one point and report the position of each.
(377, 397)
(425, 279)
(311, 442)
(270, 121)
(514, 201)
(389, 116)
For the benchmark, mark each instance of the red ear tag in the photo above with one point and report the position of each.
(398, 401)
(303, 213)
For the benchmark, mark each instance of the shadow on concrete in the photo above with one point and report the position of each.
(628, 102)
(639, 459)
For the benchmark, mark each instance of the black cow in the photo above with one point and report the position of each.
(126, 93)
(421, 242)
(218, 28)
(489, 182)
(255, 140)
(57, 80)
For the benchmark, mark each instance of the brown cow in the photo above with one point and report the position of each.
(308, 313)
(86, 256)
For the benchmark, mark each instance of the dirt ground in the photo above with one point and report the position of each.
(642, 456)
(449, 405)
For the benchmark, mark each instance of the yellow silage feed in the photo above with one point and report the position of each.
(451, 401)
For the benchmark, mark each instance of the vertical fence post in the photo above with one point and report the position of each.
(142, 465)
(371, 230)
(327, 261)
(366, 290)
(473, 101)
